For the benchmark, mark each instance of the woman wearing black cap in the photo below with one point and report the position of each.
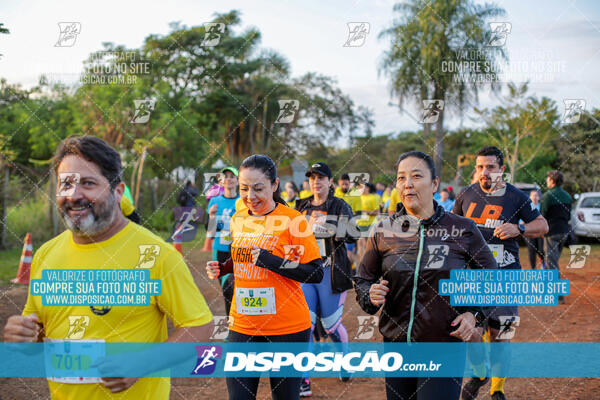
(400, 271)
(326, 299)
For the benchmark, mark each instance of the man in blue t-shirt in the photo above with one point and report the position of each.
(496, 207)
(220, 210)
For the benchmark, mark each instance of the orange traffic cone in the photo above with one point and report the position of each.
(25, 263)
(177, 238)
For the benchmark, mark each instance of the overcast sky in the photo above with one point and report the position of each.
(563, 37)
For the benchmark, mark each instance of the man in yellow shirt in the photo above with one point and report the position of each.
(370, 209)
(99, 237)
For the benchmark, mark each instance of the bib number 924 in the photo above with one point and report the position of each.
(254, 301)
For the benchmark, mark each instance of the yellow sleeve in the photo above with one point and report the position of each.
(126, 206)
(180, 298)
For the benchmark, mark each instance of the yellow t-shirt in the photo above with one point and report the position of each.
(353, 201)
(305, 193)
(126, 206)
(394, 200)
(370, 202)
(180, 299)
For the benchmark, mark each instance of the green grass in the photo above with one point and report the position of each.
(9, 263)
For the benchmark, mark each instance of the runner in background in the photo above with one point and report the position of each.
(496, 207)
(446, 201)
(290, 196)
(370, 209)
(352, 197)
(535, 246)
(326, 299)
(220, 210)
(394, 200)
(273, 251)
(305, 192)
(385, 199)
(128, 208)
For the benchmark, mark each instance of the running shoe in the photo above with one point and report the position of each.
(472, 387)
(305, 388)
(498, 396)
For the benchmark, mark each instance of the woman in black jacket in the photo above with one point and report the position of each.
(401, 269)
(326, 299)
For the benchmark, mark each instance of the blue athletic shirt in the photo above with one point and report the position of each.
(225, 210)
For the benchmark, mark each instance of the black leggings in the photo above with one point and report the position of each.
(422, 388)
(281, 388)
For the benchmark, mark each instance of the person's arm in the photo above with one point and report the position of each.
(536, 228)
(311, 272)
(367, 275)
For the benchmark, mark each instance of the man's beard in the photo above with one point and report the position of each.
(100, 217)
(486, 183)
(344, 190)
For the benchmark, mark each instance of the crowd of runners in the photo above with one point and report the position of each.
(287, 258)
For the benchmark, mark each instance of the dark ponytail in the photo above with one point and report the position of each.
(267, 167)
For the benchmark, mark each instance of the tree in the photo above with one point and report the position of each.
(428, 36)
(579, 153)
(523, 128)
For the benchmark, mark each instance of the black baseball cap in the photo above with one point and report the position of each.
(321, 169)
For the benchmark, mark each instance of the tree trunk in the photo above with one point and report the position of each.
(3, 243)
(139, 178)
(438, 150)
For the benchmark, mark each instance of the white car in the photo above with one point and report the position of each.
(585, 217)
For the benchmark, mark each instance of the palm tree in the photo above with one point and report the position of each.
(428, 36)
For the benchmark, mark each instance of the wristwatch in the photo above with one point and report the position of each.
(479, 318)
(521, 229)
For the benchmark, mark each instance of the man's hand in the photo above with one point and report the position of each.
(506, 231)
(466, 327)
(212, 211)
(116, 385)
(378, 291)
(20, 329)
